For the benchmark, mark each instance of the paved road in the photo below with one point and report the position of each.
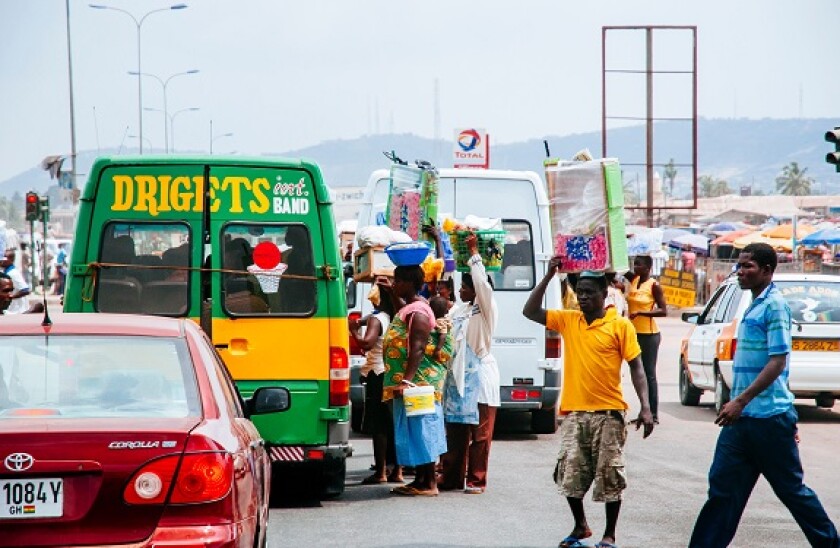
(667, 476)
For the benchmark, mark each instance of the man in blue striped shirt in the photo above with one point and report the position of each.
(759, 424)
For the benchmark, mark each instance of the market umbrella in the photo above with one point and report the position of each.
(730, 237)
(786, 231)
(827, 235)
(669, 234)
(779, 244)
(723, 227)
(696, 241)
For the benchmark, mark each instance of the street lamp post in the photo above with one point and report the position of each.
(141, 140)
(171, 119)
(163, 84)
(214, 138)
(138, 23)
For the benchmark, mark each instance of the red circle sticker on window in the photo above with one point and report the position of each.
(267, 255)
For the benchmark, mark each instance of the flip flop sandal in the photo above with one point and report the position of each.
(571, 542)
(404, 490)
(605, 544)
(372, 480)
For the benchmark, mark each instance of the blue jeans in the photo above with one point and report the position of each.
(753, 446)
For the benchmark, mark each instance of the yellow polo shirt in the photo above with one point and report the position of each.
(593, 357)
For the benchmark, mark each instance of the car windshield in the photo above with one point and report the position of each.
(812, 301)
(96, 376)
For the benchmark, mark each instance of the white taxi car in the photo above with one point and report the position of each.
(707, 351)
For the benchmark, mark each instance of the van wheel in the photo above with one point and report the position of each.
(825, 401)
(689, 394)
(357, 411)
(721, 392)
(544, 421)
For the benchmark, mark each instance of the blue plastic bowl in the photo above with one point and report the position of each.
(408, 256)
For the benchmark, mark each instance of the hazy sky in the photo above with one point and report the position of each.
(282, 75)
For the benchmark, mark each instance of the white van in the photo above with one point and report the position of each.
(528, 354)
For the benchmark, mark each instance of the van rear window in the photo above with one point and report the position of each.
(145, 269)
(268, 270)
(517, 272)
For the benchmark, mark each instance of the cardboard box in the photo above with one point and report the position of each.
(370, 262)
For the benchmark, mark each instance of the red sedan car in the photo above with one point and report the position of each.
(126, 430)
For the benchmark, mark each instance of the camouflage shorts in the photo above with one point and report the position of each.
(592, 451)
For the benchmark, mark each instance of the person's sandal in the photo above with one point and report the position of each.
(473, 490)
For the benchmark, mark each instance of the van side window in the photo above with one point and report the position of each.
(517, 272)
(145, 268)
(285, 289)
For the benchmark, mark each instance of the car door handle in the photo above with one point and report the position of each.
(256, 444)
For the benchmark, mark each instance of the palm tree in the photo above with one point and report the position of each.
(711, 187)
(793, 182)
(630, 195)
(670, 175)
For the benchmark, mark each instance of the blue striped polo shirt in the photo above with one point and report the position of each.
(764, 332)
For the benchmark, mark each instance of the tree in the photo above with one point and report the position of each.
(670, 175)
(793, 182)
(630, 194)
(711, 187)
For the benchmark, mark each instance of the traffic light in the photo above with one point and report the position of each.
(45, 209)
(33, 206)
(834, 157)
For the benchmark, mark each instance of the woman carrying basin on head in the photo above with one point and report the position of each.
(419, 439)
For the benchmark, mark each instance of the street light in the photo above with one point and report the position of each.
(142, 140)
(139, 24)
(214, 138)
(171, 118)
(164, 83)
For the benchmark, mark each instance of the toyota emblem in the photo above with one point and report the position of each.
(18, 462)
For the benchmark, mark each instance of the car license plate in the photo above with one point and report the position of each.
(816, 345)
(31, 498)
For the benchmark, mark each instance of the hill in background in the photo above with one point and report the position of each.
(743, 152)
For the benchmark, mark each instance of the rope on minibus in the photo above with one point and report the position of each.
(94, 268)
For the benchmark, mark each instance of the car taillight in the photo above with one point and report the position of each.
(732, 344)
(339, 377)
(355, 349)
(552, 344)
(204, 474)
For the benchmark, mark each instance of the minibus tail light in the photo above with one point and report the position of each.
(355, 349)
(339, 377)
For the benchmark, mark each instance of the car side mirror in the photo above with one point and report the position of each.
(270, 399)
(690, 317)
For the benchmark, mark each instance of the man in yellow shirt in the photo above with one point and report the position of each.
(597, 342)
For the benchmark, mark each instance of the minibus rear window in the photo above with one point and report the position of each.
(253, 287)
(145, 268)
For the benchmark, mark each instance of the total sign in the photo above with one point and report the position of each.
(472, 148)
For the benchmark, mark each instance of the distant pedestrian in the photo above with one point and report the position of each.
(20, 296)
(471, 393)
(645, 302)
(593, 431)
(758, 435)
(7, 287)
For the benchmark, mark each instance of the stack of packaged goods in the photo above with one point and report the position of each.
(412, 200)
(586, 200)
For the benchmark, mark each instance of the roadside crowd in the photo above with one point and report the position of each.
(418, 337)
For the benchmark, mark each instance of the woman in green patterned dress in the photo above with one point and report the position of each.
(409, 354)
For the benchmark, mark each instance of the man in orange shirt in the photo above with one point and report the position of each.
(593, 430)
